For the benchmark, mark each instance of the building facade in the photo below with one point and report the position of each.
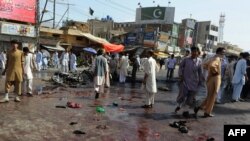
(206, 35)
(230, 48)
(18, 21)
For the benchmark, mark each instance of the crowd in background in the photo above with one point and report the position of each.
(218, 73)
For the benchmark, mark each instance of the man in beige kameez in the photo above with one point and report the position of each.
(213, 82)
(14, 71)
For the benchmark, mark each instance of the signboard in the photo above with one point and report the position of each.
(131, 38)
(152, 15)
(18, 10)
(162, 46)
(18, 29)
(164, 37)
(149, 39)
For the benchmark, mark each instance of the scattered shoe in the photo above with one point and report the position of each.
(73, 123)
(174, 124)
(4, 100)
(59, 106)
(78, 132)
(177, 124)
(17, 99)
(183, 129)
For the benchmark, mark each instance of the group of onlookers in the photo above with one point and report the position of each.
(218, 73)
(67, 60)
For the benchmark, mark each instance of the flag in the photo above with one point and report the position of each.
(153, 13)
(91, 11)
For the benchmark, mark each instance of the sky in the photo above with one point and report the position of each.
(237, 24)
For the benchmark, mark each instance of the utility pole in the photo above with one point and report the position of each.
(54, 13)
(37, 24)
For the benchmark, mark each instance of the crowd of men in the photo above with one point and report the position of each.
(66, 62)
(217, 73)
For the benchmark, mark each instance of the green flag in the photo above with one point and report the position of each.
(153, 13)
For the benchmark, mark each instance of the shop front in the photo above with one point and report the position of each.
(25, 34)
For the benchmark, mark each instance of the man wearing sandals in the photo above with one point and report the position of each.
(150, 79)
(14, 71)
(213, 83)
(190, 74)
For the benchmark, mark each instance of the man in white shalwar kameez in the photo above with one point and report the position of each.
(100, 71)
(150, 70)
(39, 60)
(123, 68)
(55, 60)
(28, 66)
(3, 60)
(72, 62)
(45, 61)
(65, 61)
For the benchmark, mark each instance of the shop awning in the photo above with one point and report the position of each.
(161, 54)
(106, 45)
(113, 48)
(55, 48)
(94, 38)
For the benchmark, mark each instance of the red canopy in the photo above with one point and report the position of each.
(112, 47)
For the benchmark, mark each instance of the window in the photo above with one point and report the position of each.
(78, 38)
(207, 28)
(56, 35)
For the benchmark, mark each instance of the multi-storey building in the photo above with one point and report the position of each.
(206, 35)
(186, 33)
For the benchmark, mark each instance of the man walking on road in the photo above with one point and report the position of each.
(14, 71)
(170, 67)
(100, 71)
(240, 77)
(29, 66)
(213, 82)
(150, 79)
(191, 77)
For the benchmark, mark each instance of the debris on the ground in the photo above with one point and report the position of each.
(101, 126)
(115, 104)
(72, 123)
(73, 105)
(157, 134)
(78, 132)
(122, 109)
(100, 109)
(211, 139)
(60, 106)
(164, 88)
(181, 125)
